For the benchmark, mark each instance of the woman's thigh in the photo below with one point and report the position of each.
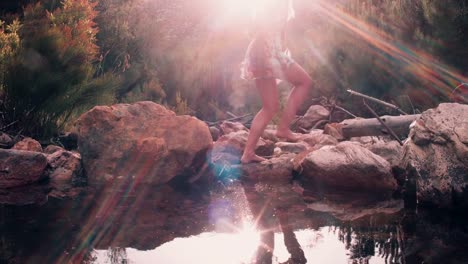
(297, 76)
(268, 93)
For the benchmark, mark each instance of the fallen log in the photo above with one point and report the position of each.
(372, 127)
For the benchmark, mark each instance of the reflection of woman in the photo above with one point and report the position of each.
(266, 60)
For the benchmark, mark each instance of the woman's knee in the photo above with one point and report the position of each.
(271, 109)
(307, 82)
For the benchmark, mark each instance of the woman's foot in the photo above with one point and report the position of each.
(286, 135)
(248, 158)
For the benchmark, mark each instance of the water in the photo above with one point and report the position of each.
(233, 224)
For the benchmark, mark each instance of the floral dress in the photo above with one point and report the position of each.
(267, 56)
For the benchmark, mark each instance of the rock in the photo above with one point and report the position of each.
(292, 147)
(229, 148)
(317, 137)
(270, 134)
(314, 114)
(28, 144)
(5, 140)
(215, 133)
(229, 127)
(19, 167)
(435, 156)
(64, 166)
(386, 147)
(334, 130)
(275, 170)
(144, 142)
(52, 148)
(391, 151)
(347, 167)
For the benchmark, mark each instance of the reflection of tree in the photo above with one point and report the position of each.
(362, 242)
(117, 255)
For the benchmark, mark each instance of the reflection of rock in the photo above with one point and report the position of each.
(436, 156)
(109, 218)
(347, 166)
(351, 211)
(143, 141)
(432, 237)
(31, 194)
(28, 144)
(18, 167)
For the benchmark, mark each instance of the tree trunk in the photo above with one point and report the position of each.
(372, 127)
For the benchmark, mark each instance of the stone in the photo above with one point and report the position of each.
(318, 137)
(28, 144)
(215, 133)
(5, 140)
(52, 148)
(20, 167)
(435, 156)
(391, 151)
(347, 167)
(64, 166)
(229, 127)
(275, 170)
(314, 114)
(142, 142)
(292, 147)
(334, 130)
(229, 147)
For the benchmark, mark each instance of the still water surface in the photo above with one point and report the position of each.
(235, 224)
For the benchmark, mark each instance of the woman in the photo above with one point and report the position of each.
(266, 60)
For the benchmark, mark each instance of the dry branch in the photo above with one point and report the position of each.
(383, 123)
(377, 101)
(373, 127)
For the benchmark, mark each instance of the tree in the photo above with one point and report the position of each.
(51, 77)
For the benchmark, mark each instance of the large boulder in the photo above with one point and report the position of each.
(346, 167)
(19, 167)
(144, 142)
(436, 155)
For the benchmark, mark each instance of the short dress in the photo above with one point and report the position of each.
(266, 56)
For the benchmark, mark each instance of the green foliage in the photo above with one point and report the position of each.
(67, 56)
(9, 44)
(51, 77)
(181, 107)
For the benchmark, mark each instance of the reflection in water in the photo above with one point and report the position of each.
(236, 224)
(320, 246)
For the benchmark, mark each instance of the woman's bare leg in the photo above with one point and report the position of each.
(270, 105)
(302, 82)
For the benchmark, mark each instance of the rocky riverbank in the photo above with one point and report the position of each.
(144, 144)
